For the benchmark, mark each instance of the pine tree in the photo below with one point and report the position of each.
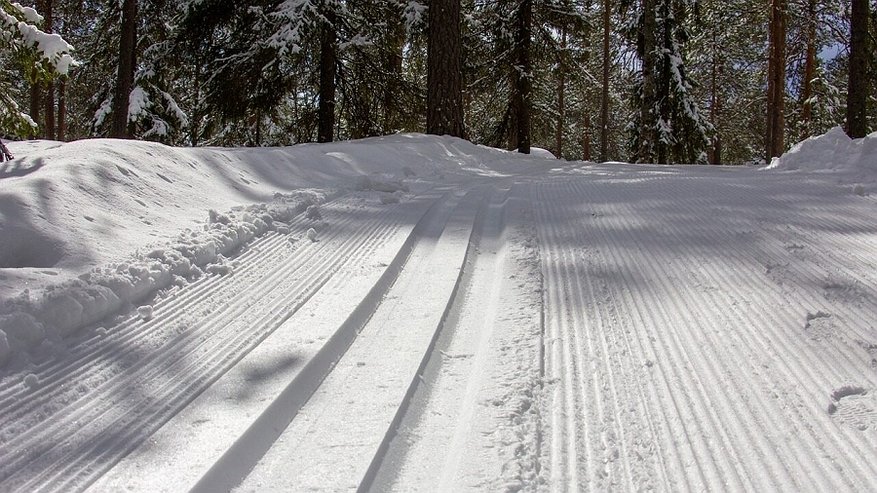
(859, 84)
(668, 126)
(444, 100)
(39, 56)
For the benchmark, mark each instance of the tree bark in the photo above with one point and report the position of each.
(586, 137)
(561, 97)
(326, 108)
(858, 84)
(62, 110)
(604, 97)
(523, 85)
(809, 72)
(49, 102)
(774, 142)
(648, 115)
(444, 94)
(125, 71)
(393, 64)
(715, 154)
(35, 103)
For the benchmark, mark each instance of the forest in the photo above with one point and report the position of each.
(662, 81)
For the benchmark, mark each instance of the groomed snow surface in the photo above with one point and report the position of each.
(416, 313)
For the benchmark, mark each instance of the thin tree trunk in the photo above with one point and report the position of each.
(326, 108)
(48, 27)
(35, 103)
(715, 104)
(523, 83)
(5, 155)
(561, 96)
(62, 110)
(858, 85)
(393, 64)
(809, 72)
(604, 97)
(648, 116)
(125, 71)
(194, 126)
(50, 111)
(444, 94)
(774, 141)
(586, 137)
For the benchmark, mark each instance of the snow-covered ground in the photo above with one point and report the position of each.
(420, 313)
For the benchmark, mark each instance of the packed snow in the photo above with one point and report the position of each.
(420, 313)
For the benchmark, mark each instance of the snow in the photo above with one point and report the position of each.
(462, 318)
(849, 161)
(30, 15)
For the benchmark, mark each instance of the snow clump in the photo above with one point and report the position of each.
(145, 312)
(31, 381)
(313, 213)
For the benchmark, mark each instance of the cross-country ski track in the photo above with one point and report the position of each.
(582, 328)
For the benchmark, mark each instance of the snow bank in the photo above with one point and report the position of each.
(854, 161)
(91, 227)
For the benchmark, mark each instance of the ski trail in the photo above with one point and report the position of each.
(96, 428)
(224, 446)
(322, 447)
(473, 423)
(730, 391)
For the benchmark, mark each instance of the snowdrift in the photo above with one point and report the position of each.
(852, 161)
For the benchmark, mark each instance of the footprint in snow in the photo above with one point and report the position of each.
(854, 406)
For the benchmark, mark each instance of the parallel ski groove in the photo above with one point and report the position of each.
(690, 254)
(564, 438)
(383, 329)
(351, 242)
(711, 371)
(757, 437)
(133, 329)
(107, 355)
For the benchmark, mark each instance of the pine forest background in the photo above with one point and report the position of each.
(676, 81)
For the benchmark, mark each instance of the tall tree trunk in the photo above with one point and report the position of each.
(858, 86)
(774, 142)
(62, 110)
(393, 64)
(194, 121)
(50, 111)
(715, 154)
(523, 84)
(604, 97)
(326, 107)
(809, 72)
(125, 71)
(48, 27)
(35, 103)
(586, 137)
(648, 114)
(561, 96)
(444, 79)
